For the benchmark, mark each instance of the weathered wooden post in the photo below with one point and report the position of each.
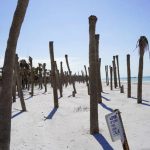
(86, 78)
(32, 76)
(19, 84)
(58, 79)
(94, 127)
(117, 59)
(106, 73)
(73, 83)
(45, 80)
(107, 77)
(99, 98)
(115, 74)
(56, 105)
(111, 85)
(128, 77)
(40, 78)
(62, 79)
(101, 88)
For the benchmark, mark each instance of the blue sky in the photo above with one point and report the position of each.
(120, 24)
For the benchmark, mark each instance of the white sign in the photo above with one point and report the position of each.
(114, 126)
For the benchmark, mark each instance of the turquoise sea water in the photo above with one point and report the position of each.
(135, 79)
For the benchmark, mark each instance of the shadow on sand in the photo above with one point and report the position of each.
(102, 141)
(105, 92)
(51, 114)
(142, 101)
(106, 107)
(28, 98)
(107, 99)
(17, 114)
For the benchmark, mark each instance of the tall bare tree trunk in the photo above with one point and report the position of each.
(117, 59)
(107, 78)
(140, 76)
(45, 80)
(115, 73)
(32, 76)
(19, 84)
(99, 98)
(128, 76)
(111, 85)
(101, 88)
(143, 46)
(86, 79)
(71, 78)
(56, 105)
(6, 92)
(94, 128)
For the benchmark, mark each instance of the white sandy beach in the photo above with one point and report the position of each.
(67, 128)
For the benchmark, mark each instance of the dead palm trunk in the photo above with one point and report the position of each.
(45, 81)
(111, 85)
(19, 84)
(101, 88)
(117, 59)
(143, 46)
(56, 105)
(86, 79)
(73, 83)
(128, 76)
(94, 128)
(99, 98)
(9, 61)
(107, 78)
(115, 73)
(58, 79)
(32, 76)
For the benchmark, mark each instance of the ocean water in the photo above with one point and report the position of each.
(135, 79)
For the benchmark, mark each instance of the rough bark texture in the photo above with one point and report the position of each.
(107, 78)
(111, 85)
(99, 67)
(9, 61)
(53, 75)
(140, 75)
(19, 84)
(99, 98)
(128, 77)
(115, 73)
(32, 77)
(94, 128)
(72, 81)
(45, 81)
(86, 79)
(117, 59)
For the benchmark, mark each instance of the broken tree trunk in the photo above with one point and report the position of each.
(94, 127)
(19, 84)
(73, 83)
(32, 76)
(53, 75)
(128, 77)
(99, 98)
(111, 85)
(117, 59)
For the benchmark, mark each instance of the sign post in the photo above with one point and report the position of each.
(116, 128)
